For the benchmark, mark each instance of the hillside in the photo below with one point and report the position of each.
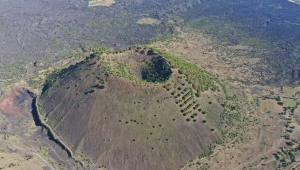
(135, 109)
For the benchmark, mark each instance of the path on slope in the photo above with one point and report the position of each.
(27, 152)
(65, 161)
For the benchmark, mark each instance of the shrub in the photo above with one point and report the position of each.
(12, 164)
(189, 112)
(189, 99)
(101, 86)
(277, 98)
(89, 91)
(290, 143)
(187, 108)
(188, 94)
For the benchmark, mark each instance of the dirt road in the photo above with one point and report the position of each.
(27, 152)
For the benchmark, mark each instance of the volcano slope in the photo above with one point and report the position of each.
(135, 109)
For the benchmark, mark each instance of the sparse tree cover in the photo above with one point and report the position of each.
(55, 75)
(200, 80)
(189, 99)
(188, 107)
(190, 93)
(159, 69)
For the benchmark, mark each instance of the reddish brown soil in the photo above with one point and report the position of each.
(11, 104)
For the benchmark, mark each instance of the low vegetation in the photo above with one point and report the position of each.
(200, 80)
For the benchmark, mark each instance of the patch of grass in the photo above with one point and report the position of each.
(289, 102)
(289, 91)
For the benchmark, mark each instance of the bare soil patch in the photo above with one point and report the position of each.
(16, 102)
(100, 3)
(148, 21)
